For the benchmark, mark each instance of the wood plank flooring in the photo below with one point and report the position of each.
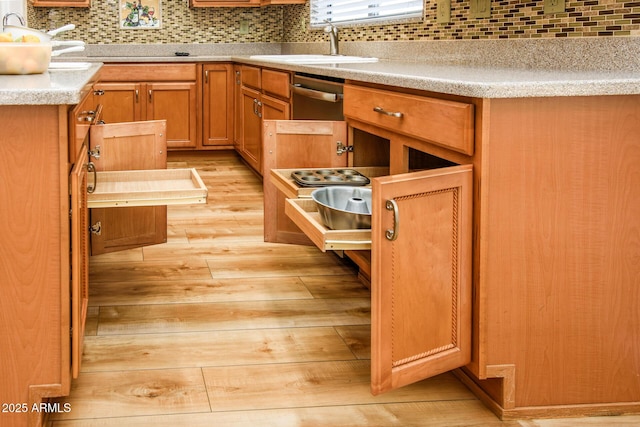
(218, 328)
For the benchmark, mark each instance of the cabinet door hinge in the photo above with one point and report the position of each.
(96, 228)
(341, 148)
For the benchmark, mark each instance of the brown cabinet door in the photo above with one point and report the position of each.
(237, 108)
(218, 105)
(175, 103)
(79, 258)
(129, 146)
(421, 275)
(295, 144)
(251, 143)
(121, 102)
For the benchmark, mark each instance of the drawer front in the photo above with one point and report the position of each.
(147, 72)
(442, 122)
(276, 83)
(250, 76)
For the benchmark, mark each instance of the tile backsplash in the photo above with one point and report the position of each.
(276, 24)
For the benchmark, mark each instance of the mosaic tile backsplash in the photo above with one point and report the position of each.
(276, 24)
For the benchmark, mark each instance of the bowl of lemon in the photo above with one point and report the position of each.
(23, 55)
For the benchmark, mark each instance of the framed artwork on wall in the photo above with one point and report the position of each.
(140, 14)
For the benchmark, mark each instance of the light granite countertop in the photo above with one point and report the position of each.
(482, 69)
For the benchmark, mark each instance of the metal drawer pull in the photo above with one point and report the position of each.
(388, 113)
(392, 233)
(92, 187)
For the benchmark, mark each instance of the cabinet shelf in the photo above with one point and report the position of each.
(147, 188)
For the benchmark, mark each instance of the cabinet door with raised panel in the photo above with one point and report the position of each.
(420, 276)
(251, 143)
(129, 146)
(217, 105)
(120, 101)
(295, 144)
(79, 257)
(175, 103)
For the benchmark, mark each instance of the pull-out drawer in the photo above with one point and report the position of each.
(304, 213)
(442, 122)
(147, 188)
(281, 178)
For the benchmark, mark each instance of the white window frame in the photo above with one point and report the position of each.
(364, 12)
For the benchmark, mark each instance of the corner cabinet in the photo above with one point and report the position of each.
(418, 252)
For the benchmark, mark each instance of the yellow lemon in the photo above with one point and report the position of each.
(30, 38)
(6, 37)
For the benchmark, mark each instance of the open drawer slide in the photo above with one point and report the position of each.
(304, 213)
(147, 188)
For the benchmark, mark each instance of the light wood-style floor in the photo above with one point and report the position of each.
(218, 328)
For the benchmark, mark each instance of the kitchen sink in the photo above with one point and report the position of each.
(314, 59)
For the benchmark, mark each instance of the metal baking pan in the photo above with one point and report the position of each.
(324, 177)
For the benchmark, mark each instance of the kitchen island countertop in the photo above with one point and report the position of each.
(60, 87)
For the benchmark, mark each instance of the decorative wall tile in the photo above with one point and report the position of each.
(276, 24)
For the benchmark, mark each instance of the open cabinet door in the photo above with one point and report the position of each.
(79, 258)
(296, 144)
(129, 146)
(421, 275)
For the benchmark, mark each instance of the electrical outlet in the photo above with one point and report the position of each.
(480, 9)
(244, 27)
(554, 6)
(443, 11)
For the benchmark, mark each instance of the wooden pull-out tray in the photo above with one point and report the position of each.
(283, 181)
(304, 213)
(147, 188)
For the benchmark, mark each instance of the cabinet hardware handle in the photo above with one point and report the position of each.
(98, 92)
(381, 110)
(392, 233)
(150, 99)
(92, 187)
(137, 96)
(259, 109)
(206, 76)
(95, 153)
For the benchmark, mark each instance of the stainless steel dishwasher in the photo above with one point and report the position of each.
(317, 97)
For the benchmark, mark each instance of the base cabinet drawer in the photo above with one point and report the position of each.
(443, 122)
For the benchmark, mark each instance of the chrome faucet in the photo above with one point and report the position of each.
(6, 17)
(334, 49)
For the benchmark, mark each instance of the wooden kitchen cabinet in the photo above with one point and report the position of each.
(61, 3)
(553, 327)
(218, 105)
(134, 92)
(224, 3)
(264, 95)
(420, 327)
(129, 146)
(241, 3)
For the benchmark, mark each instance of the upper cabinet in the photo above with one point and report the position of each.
(61, 3)
(241, 3)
